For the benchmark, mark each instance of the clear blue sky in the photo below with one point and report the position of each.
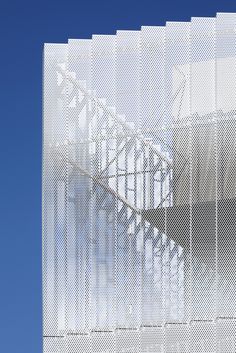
(24, 27)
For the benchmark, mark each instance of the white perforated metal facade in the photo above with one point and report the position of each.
(139, 163)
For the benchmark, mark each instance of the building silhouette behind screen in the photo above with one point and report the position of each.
(139, 190)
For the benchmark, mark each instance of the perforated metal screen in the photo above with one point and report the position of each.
(139, 187)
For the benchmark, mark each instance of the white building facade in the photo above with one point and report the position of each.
(139, 162)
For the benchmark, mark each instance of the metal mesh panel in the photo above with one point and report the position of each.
(152, 339)
(129, 230)
(226, 335)
(203, 337)
(153, 170)
(177, 110)
(55, 182)
(203, 149)
(226, 100)
(177, 338)
(139, 190)
(79, 188)
(103, 203)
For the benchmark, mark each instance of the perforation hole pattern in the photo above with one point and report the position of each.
(139, 146)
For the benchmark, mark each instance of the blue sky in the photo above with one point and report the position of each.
(24, 27)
